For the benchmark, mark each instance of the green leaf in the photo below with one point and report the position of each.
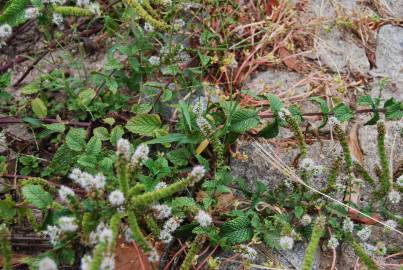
(37, 196)
(85, 97)
(244, 120)
(75, 139)
(30, 89)
(275, 103)
(237, 230)
(144, 124)
(299, 211)
(179, 157)
(101, 133)
(112, 85)
(323, 107)
(174, 137)
(393, 109)
(142, 108)
(57, 127)
(62, 160)
(7, 209)
(94, 146)
(185, 111)
(365, 100)
(116, 133)
(342, 112)
(39, 108)
(88, 161)
(271, 130)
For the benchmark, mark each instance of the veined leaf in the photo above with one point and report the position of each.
(37, 196)
(75, 139)
(144, 124)
(39, 108)
(244, 120)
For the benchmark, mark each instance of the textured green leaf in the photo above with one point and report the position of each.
(85, 97)
(185, 112)
(101, 133)
(75, 139)
(39, 108)
(7, 209)
(37, 196)
(342, 112)
(275, 103)
(57, 127)
(244, 120)
(179, 157)
(144, 124)
(271, 130)
(393, 109)
(116, 133)
(237, 230)
(30, 89)
(94, 146)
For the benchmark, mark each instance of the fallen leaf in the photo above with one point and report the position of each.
(225, 202)
(355, 216)
(356, 152)
(289, 60)
(130, 257)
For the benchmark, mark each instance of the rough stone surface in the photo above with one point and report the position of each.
(389, 60)
(396, 8)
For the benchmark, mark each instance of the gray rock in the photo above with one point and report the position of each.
(389, 60)
(396, 8)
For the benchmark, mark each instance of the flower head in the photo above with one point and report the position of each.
(148, 27)
(154, 60)
(306, 220)
(348, 225)
(99, 181)
(153, 256)
(364, 233)
(54, 234)
(199, 105)
(128, 233)
(198, 172)
(307, 164)
(165, 236)
(248, 252)
(123, 148)
(86, 262)
(47, 264)
(333, 242)
(82, 3)
(67, 224)
(172, 224)
(57, 19)
(31, 13)
(108, 263)
(105, 235)
(160, 185)
(75, 174)
(286, 242)
(394, 197)
(162, 211)
(399, 181)
(140, 155)
(370, 249)
(65, 193)
(203, 125)
(179, 23)
(116, 198)
(283, 113)
(391, 223)
(333, 121)
(203, 218)
(5, 31)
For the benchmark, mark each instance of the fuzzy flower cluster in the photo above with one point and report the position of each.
(47, 264)
(333, 121)
(183, 58)
(116, 198)
(203, 125)
(67, 224)
(283, 113)
(348, 225)
(65, 194)
(179, 24)
(391, 223)
(399, 181)
(57, 19)
(248, 253)
(364, 233)
(198, 172)
(169, 227)
(82, 3)
(108, 263)
(306, 220)
(148, 27)
(333, 242)
(309, 166)
(160, 185)
(140, 155)
(286, 242)
(203, 218)
(199, 105)
(86, 180)
(31, 13)
(123, 148)
(162, 211)
(102, 234)
(54, 232)
(5, 31)
(154, 60)
(394, 197)
(153, 256)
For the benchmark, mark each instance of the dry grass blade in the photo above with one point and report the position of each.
(276, 162)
